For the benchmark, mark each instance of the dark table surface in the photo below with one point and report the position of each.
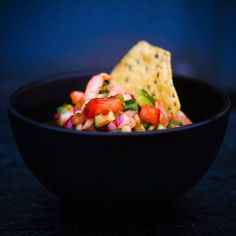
(26, 208)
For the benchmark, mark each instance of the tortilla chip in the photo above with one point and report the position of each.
(148, 67)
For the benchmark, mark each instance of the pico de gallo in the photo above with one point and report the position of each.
(108, 107)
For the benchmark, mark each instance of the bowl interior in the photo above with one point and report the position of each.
(39, 100)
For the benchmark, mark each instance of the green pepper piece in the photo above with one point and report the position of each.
(146, 125)
(144, 99)
(122, 100)
(104, 91)
(117, 130)
(106, 82)
(64, 108)
(174, 124)
(130, 105)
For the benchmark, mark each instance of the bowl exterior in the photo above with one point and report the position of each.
(115, 172)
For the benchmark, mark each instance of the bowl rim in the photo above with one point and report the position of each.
(88, 72)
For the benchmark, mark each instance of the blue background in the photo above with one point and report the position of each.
(43, 38)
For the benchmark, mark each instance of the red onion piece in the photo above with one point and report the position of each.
(111, 126)
(68, 124)
(120, 119)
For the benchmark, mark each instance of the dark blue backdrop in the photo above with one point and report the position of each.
(41, 38)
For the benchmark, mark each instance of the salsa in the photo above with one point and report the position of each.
(108, 107)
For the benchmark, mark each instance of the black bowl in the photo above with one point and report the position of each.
(116, 171)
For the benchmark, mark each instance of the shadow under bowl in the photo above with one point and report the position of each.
(117, 171)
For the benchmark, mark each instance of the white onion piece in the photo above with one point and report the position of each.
(125, 119)
(79, 127)
(137, 119)
(64, 117)
(88, 124)
(127, 96)
(126, 128)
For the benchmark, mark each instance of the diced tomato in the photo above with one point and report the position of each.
(57, 116)
(150, 114)
(103, 105)
(77, 97)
